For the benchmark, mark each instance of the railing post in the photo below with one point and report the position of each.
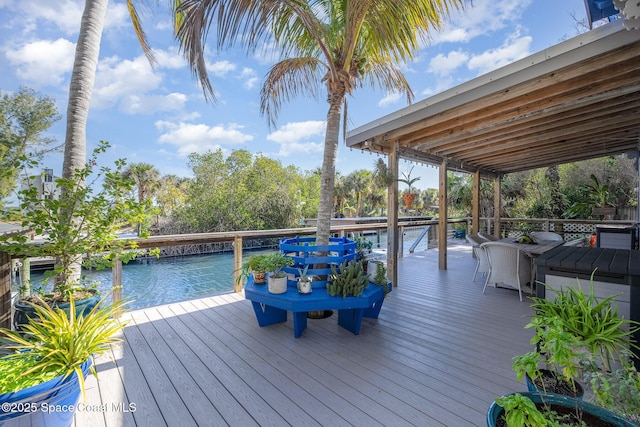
(5, 290)
(116, 282)
(237, 263)
(401, 241)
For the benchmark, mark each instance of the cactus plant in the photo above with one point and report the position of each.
(349, 280)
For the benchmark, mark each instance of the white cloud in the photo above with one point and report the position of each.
(483, 17)
(299, 137)
(444, 65)
(514, 48)
(120, 79)
(221, 68)
(170, 59)
(390, 98)
(43, 62)
(64, 14)
(250, 77)
(135, 104)
(199, 138)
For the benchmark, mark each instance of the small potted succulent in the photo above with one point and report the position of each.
(304, 280)
(277, 278)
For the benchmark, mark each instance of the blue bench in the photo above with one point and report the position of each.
(272, 308)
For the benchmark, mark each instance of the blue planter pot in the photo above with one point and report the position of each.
(558, 401)
(23, 312)
(50, 404)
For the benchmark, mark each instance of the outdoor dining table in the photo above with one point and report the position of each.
(533, 250)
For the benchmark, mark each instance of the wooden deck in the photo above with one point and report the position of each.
(438, 355)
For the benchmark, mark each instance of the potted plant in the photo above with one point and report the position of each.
(597, 200)
(556, 349)
(535, 409)
(47, 369)
(618, 390)
(256, 265)
(348, 280)
(277, 279)
(81, 222)
(363, 249)
(408, 194)
(575, 332)
(378, 275)
(304, 280)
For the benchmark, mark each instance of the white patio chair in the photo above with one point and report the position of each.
(508, 266)
(545, 235)
(487, 237)
(483, 262)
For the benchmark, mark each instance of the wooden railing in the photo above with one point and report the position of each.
(236, 238)
(508, 227)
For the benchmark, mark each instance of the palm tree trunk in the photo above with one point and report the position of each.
(81, 87)
(325, 209)
(80, 91)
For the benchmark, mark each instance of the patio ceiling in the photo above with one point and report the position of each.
(574, 101)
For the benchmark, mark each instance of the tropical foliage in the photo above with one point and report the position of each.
(24, 117)
(58, 343)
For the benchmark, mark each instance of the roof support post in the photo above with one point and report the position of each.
(393, 233)
(442, 217)
(497, 205)
(475, 203)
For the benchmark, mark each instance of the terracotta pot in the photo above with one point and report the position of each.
(408, 199)
(259, 278)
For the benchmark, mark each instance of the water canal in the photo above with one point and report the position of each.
(147, 283)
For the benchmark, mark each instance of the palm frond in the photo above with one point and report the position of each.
(288, 79)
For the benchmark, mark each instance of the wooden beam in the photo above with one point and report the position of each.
(392, 218)
(442, 218)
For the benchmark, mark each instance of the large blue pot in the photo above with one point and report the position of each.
(50, 404)
(23, 312)
(558, 400)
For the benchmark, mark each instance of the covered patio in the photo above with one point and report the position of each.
(438, 355)
(577, 100)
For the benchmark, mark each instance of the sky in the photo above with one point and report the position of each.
(159, 115)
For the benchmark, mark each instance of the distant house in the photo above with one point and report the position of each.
(45, 183)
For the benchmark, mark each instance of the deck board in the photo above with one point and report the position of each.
(438, 354)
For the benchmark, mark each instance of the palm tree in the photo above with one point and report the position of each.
(147, 179)
(81, 86)
(338, 44)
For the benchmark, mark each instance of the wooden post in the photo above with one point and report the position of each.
(475, 204)
(392, 219)
(5, 290)
(442, 218)
(497, 205)
(237, 263)
(116, 282)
